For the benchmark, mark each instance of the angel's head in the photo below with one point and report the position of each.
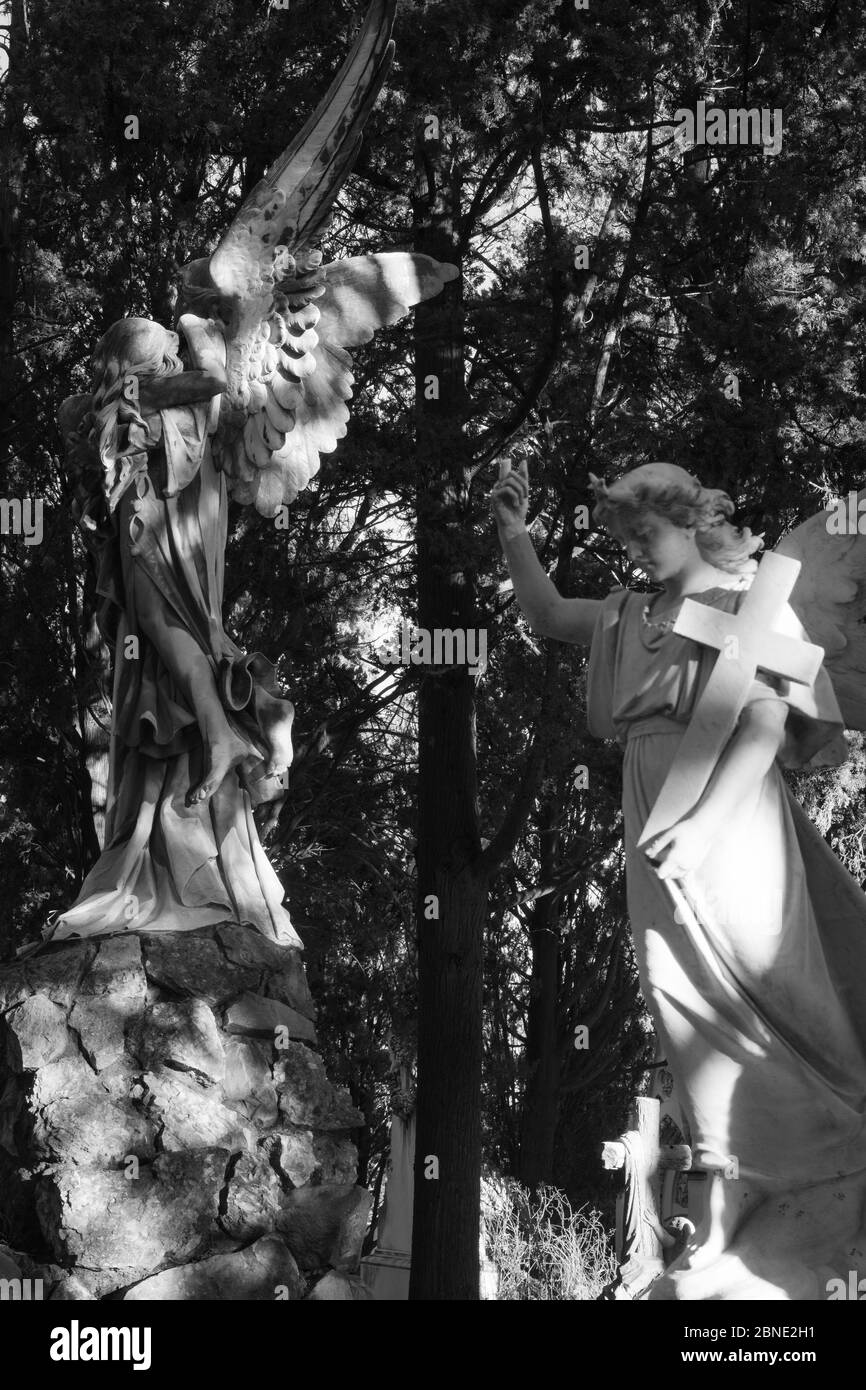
(137, 346)
(661, 514)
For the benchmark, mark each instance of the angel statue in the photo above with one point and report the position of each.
(749, 934)
(239, 402)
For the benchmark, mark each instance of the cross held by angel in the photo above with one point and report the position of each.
(239, 403)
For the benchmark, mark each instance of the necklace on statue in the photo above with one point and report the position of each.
(663, 625)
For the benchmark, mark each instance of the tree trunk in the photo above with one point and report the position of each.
(452, 891)
(12, 158)
(541, 1102)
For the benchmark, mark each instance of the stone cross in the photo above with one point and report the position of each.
(747, 641)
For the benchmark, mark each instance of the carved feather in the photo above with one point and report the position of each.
(287, 318)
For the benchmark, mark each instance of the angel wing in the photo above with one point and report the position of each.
(289, 320)
(829, 598)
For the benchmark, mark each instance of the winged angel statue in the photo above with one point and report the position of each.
(749, 934)
(240, 402)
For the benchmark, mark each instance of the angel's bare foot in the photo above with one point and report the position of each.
(275, 720)
(221, 754)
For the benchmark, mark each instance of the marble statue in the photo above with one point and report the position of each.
(239, 402)
(750, 936)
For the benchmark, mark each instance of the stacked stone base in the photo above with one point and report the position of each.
(167, 1130)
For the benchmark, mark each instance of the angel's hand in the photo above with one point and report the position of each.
(679, 850)
(509, 498)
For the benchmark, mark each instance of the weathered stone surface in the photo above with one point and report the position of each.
(186, 1116)
(336, 1159)
(99, 1218)
(39, 1033)
(100, 1028)
(302, 1156)
(260, 1017)
(325, 1225)
(68, 1288)
(117, 970)
(262, 1272)
(195, 966)
(339, 1288)
(254, 1198)
(14, 986)
(295, 1156)
(247, 1083)
(290, 985)
(77, 1118)
(184, 1035)
(56, 972)
(307, 1098)
(245, 946)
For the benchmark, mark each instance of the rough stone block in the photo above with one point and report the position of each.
(186, 1116)
(254, 1197)
(262, 1272)
(325, 1225)
(117, 970)
(339, 1288)
(260, 1017)
(290, 985)
(196, 967)
(57, 971)
(129, 1228)
(39, 1033)
(336, 1159)
(14, 986)
(294, 1155)
(101, 1030)
(69, 1288)
(76, 1118)
(244, 946)
(181, 1034)
(247, 1083)
(307, 1098)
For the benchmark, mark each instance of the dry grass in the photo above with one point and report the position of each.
(543, 1250)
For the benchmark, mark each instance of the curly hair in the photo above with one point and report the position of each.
(132, 346)
(671, 492)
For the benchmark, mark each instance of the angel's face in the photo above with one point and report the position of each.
(658, 547)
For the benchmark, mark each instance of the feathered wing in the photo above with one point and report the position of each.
(289, 319)
(830, 600)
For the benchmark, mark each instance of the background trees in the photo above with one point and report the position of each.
(715, 318)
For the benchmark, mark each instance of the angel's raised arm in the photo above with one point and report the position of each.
(545, 609)
(205, 380)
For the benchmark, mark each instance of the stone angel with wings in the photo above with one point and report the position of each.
(240, 402)
(749, 934)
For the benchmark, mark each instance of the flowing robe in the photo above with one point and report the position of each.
(762, 1012)
(166, 866)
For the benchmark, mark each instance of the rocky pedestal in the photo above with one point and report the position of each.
(167, 1130)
